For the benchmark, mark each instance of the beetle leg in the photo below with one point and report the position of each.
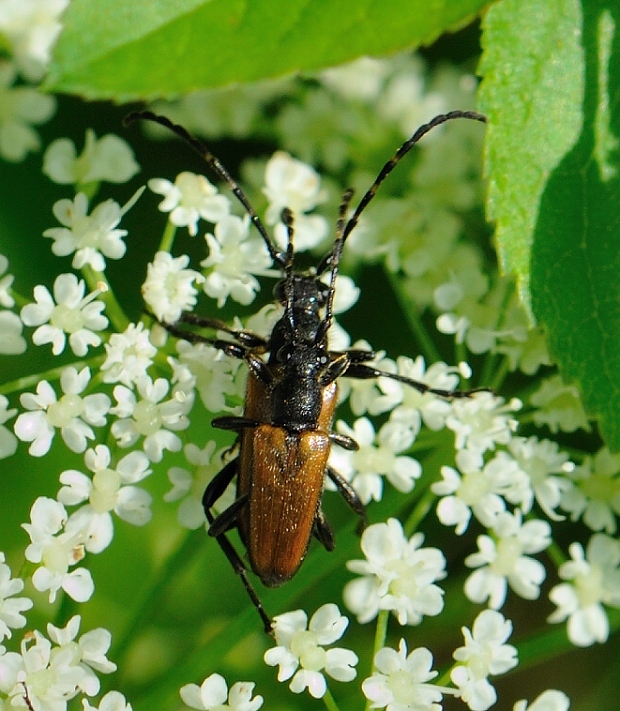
(216, 488)
(350, 496)
(245, 338)
(344, 441)
(228, 518)
(230, 422)
(323, 531)
(234, 350)
(359, 356)
(240, 569)
(359, 371)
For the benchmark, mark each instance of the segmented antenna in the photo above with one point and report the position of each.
(335, 265)
(387, 169)
(217, 167)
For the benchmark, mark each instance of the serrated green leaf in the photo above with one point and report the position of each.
(575, 280)
(126, 51)
(532, 92)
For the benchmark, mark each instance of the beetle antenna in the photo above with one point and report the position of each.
(388, 168)
(217, 167)
(289, 290)
(335, 265)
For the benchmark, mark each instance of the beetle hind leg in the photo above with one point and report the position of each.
(225, 521)
(323, 531)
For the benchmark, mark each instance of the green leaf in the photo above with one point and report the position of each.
(576, 252)
(137, 50)
(551, 73)
(532, 91)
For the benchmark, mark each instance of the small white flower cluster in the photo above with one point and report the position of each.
(300, 654)
(399, 682)
(399, 575)
(235, 256)
(49, 671)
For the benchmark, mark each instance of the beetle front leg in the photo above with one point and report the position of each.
(359, 371)
(351, 496)
(245, 338)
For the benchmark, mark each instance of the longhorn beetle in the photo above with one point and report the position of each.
(285, 435)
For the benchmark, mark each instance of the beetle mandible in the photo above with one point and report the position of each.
(285, 434)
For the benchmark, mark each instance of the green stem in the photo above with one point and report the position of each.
(330, 703)
(20, 300)
(500, 375)
(30, 381)
(555, 553)
(156, 589)
(167, 239)
(380, 637)
(419, 512)
(113, 310)
(461, 355)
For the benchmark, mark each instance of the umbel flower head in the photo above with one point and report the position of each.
(300, 652)
(399, 575)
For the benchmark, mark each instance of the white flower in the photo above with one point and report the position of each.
(594, 581)
(474, 321)
(550, 700)
(295, 185)
(478, 490)
(11, 607)
(91, 237)
(88, 652)
(399, 575)
(360, 80)
(8, 441)
(402, 681)
(20, 107)
(11, 340)
(365, 467)
(482, 421)
(71, 414)
(300, 653)
(56, 550)
(110, 489)
(72, 314)
(484, 653)
(189, 487)
(416, 407)
(559, 406)
(372, 395)
(129, 354)
(169, 288)
(149, 417)
(31, 27)
(540, 460)
(189, 198)
(595, 493)
(213, 694)
(214, 373)
(501, 561)
(233, 258)
(6, 282)
(404, 100)
(108, 158)
(47, 674)
(112, 701)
